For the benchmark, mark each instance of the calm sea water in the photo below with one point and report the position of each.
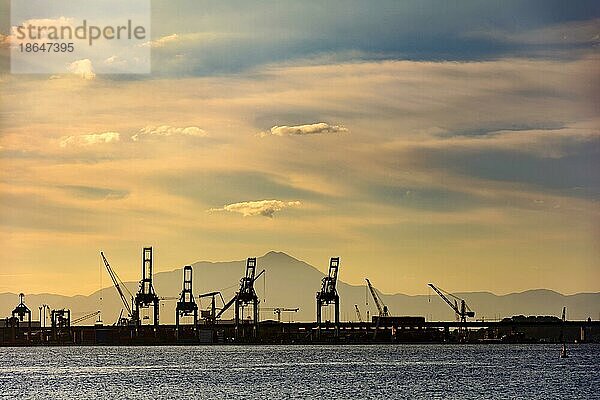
(310, 372)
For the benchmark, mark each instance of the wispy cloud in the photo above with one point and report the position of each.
(95, 193)
(301, 130)
(572, 32)
(265, 208)
(146, 132)
(166, 130)
(439, 152)
(90, 139)
(162, 41)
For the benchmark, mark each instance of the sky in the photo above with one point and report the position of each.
(448, 142)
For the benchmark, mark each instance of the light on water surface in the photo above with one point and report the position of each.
(210, 372)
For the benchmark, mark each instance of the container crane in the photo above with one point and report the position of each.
(186, 306)
(146, 295)
(245, 295)
(461, 312)
(118, 283)
(328, 293)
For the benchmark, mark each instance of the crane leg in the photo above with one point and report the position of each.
(255, 306)
(337, 315)
(237, 317)
(319, 305)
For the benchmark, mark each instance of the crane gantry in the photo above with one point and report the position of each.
(328, 293)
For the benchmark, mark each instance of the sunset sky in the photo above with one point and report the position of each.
(447, 142)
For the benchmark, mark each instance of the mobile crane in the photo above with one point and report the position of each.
(461, 312)
(381, 307)
(118, 283)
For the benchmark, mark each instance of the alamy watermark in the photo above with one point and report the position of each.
(82, 37)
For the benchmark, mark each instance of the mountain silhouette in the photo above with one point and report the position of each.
(289, 282)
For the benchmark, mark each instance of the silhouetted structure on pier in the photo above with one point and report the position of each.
(187, 304)
(146, 296)
(328, 293)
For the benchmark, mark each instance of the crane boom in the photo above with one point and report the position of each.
(211, 294)
(246, 285)
(447, 300)
(358, 313)
(226, 307)
(87, 316)
(381, 307)
(258, 276)
(463, 312)
(116, 280)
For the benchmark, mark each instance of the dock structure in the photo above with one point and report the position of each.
(273, 332)
(211, 329)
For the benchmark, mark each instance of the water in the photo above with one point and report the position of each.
(309, 372)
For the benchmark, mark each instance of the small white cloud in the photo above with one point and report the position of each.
(300, 130)
(90, 139)
(5, 41)
(115, 60)
(265, 208)
(166, 130)
(162, 41)
(83, 68)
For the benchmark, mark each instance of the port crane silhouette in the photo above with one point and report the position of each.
(210, 316)
(186, 305)
(358, 315)
(462, 312)
(246, 295)
(85, 317)
(381, 307)
(118, 284)
(328, 293)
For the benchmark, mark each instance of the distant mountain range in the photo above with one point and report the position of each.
(293, 283)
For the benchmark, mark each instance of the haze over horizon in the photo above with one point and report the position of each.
(104, 282)
(292, 283)
(465, 153)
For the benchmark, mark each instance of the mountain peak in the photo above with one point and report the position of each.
(277, 255)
